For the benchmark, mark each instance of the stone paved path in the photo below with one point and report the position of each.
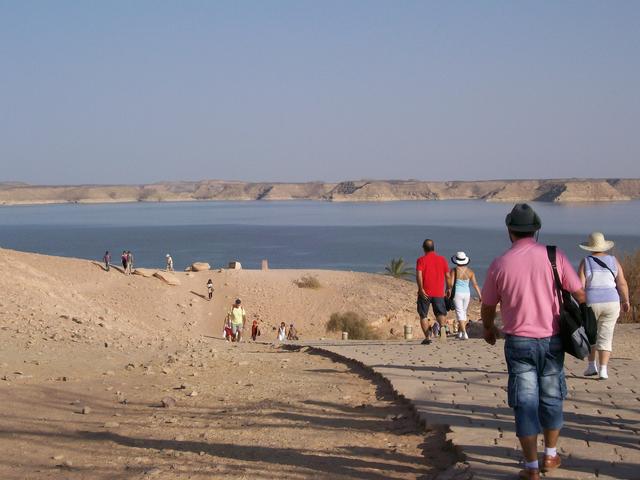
(462, 384)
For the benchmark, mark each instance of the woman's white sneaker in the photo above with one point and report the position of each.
(603, 373)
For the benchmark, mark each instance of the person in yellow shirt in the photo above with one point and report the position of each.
(238, 319)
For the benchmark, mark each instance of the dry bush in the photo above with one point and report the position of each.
(631, 267)
(308, 281)
(357, 326)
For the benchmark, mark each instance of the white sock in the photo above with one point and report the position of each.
(603, 369)
(550, 452)
(531, 465)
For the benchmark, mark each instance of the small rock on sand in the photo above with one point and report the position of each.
(168, 402)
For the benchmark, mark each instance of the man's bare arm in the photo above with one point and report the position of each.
(488, 316)
(419, 282)
(580, 296)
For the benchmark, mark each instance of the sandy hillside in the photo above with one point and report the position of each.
(66, 295)
(87, 357)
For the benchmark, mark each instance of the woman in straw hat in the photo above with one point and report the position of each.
(607, 290)
(462, 297)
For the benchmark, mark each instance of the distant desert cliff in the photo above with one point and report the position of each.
(561, 190)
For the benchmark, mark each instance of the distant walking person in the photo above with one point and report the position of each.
(255, 330)
(129, 262)
(107, 260)
(210, 289)
(292, 334)
(238, 319)
(282, 332)
(169, 263)
(432, 275)
(607, 290)
(522, 281)
(463, 275)
(125, 262)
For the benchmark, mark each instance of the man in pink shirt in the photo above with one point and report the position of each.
(521, 281)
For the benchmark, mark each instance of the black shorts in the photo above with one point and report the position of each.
(437, 303)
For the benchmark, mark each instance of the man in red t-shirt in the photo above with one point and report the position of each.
(432, 271)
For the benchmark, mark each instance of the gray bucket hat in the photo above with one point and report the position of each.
(523, 218)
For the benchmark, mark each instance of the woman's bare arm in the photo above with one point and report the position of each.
(475, 284)
(623, 288)
(581, 274)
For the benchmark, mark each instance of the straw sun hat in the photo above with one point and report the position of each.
(597, 243)
(460, 258)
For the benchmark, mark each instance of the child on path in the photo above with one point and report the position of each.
(107, 260)
(255, 330)
(125, 261)
(227, 332)
(169, 267)
(293, 333)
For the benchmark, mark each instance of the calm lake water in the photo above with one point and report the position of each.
(344, 236)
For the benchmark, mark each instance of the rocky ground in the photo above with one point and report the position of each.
(107, 376)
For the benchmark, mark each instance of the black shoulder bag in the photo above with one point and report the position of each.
(448, 301)
(572, 323)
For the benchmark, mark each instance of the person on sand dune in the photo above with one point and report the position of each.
(227, 332)
(282, 332)
(125, 261)
(129, 262)
(255, 330)
(292, 334)
(169, 266)
(432, 275)
(210, 289)
(107, 260)
(238, 319)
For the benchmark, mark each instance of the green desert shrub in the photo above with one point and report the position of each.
(308, 281)
(631, 267)
(351, 322)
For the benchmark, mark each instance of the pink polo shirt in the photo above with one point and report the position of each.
(521, 281)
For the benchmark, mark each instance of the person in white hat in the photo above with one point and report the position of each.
(461, 292)
(169, 263)
(607, 291)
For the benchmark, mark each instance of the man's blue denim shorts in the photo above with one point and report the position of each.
(436, 303)
(537, 383)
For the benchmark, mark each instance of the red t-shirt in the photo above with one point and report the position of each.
(433, 268)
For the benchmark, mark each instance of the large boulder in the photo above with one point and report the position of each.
(145, 272)
(167, 277)
(200, 266)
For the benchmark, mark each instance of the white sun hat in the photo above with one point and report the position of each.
(168, 255)
(597, 243)
(460, 258)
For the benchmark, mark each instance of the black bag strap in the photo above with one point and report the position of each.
(602, 264)
(551, 253)
(455, 279)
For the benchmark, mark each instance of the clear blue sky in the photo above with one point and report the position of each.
(141, 91)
